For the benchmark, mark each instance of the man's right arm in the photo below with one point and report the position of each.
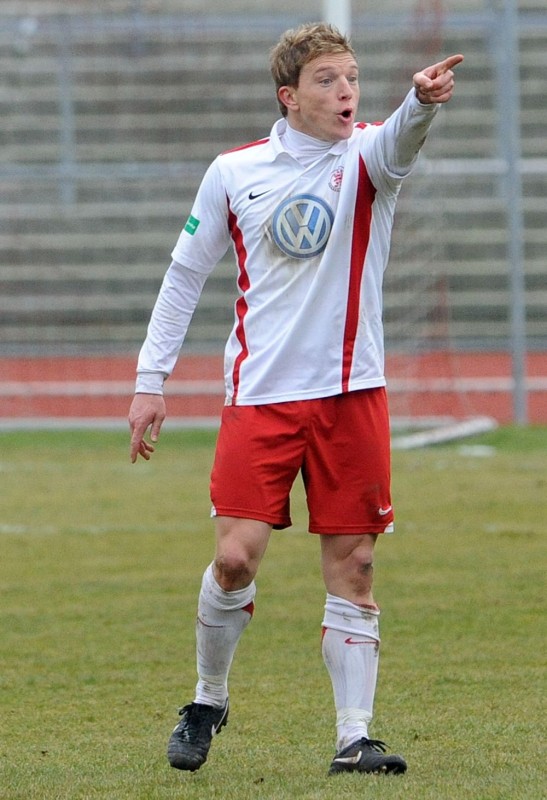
(173, 310)
(177, 300)
(201, 244)
(147, 411)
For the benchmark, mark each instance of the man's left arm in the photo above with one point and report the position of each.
(435, 84)
(402, 135)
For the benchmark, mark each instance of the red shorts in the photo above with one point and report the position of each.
(340, 444)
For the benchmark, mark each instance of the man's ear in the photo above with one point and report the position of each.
(286, 95)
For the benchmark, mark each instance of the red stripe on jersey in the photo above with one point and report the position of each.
(245, 146)
(359, 246)
(241, 304)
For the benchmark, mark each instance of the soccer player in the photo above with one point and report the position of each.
(309, 213)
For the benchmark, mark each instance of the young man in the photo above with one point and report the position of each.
(309, 212)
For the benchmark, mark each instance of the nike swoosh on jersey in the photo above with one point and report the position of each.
(253, 196)
(384, 511)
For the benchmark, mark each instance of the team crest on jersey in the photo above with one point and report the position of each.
(301, 226)
(335, 182)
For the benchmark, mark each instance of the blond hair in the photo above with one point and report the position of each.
(298, 46)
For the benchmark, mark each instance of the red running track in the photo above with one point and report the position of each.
(451, 384)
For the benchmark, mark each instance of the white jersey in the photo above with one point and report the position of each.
(311, 242)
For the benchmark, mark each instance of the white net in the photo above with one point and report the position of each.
(104, 145)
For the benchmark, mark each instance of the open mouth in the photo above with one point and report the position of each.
(346, 114)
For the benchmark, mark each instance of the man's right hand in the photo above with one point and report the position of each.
(146, 410)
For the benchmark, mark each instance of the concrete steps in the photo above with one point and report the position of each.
(90, 211)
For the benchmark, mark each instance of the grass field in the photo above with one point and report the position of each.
(99, 572)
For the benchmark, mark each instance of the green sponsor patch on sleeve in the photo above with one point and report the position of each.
(192, 225)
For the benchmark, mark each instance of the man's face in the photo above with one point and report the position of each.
(325, 101)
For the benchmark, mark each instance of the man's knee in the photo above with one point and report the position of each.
(348, 567)
(241, 544)
(234, 568)
(362, 559)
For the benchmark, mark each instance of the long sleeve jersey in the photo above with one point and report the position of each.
(311, 244)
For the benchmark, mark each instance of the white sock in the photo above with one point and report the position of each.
(350, 650)
(222, 618)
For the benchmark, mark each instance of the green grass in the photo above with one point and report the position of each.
(100, 565)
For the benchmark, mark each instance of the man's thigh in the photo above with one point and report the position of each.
(258, 455)
(347, 467)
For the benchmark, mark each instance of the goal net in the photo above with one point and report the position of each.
(118, 117)
(431, 380)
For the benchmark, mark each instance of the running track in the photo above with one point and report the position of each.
(69, 391)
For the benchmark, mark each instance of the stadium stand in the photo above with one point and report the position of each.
(109, 120)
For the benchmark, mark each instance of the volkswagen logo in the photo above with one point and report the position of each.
(302, 226)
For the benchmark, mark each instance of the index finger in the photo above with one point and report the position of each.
(448, 63)
(137, 435)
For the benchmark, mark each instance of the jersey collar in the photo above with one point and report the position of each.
(338, 148)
